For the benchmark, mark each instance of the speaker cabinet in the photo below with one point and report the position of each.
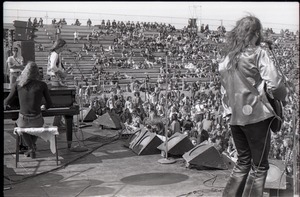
(205, 155)
(88, 115)
(145, 143)
(26, 49)
(178, 144)
(133, 138)
(228, 161)
(23, 30)
(276, 178)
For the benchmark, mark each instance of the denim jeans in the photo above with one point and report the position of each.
(30, 121)
(249, 174)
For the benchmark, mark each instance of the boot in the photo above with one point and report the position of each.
(236, 183)
(255, 183)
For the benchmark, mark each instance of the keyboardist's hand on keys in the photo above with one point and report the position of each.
(43, 107)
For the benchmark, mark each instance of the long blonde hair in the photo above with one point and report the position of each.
(240, 36)
(30, 72)
(59, 43)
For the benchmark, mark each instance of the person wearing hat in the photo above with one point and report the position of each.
(16, 65)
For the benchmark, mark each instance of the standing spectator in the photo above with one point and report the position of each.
(77, 23)
(29, 22)
(85, 48)
(206, 128)
(63, 21)
(87, 94)
(129, 104)
(41, 23)
(35, 22)
(15, 64)
(57, 32)
(76, 36)
(89, 23)
(187, 125)
(110, 103)
(53, 21)
(174, 126)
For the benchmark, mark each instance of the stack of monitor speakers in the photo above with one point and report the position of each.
(205, 155)
(23, 40)
(26, 49)
(24, 30)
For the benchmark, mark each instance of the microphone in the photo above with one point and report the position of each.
(269, 43)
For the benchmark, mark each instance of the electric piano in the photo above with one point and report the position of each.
(63, 103)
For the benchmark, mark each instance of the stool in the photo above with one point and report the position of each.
(47, 133)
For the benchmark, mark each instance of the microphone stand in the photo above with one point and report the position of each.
(294, 125)
(166, 160)
(80, 124)
(278, 67)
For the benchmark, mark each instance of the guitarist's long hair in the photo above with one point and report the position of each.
(240, 36)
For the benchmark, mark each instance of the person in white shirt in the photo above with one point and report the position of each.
(56, 71)
(76, 36)
(55, 68)
(16, 65)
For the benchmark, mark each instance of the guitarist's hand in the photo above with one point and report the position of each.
(284, 103)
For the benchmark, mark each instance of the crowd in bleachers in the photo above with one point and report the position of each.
(195, 105)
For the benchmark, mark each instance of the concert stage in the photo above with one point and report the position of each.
(106, 169)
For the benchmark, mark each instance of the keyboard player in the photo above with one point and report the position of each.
(30, 91)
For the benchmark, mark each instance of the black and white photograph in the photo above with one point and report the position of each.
(150, 99)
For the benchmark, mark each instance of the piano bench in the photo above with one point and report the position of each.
(47, 133)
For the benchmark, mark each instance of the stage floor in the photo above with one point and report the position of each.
(106, 168)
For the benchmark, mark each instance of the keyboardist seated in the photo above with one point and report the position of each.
(30, 90)
(62, 99)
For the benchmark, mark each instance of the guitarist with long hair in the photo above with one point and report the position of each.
(250, 115)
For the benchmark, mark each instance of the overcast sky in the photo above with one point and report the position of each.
(272, 14)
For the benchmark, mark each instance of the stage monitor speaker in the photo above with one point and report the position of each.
(205, 155)
(26, 49)
(146, 143)
(276, 178)
(108, 120)
(228, 161)
(88, 115)
(133, 138)
(178, 144)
